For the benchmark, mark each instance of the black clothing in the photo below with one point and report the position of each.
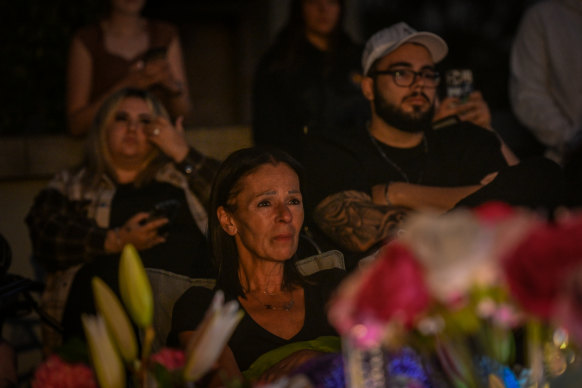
(184, 252)
(457, 155)
(249, 340)
(307, 90)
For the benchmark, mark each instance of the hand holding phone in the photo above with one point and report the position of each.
(165, 209)
(459, 83)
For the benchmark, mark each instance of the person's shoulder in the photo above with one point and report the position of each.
(162, 30)
(542, 11)
(272, 59)
(67, 177)
(325, 270)
(88, 34)
(348, 46)
(199, 294)
(330, 277)
(541, 7)
(347, 141)
(326, 281)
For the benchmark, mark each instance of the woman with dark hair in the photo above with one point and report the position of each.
(256, 214)
(135, 159)
(309, 80)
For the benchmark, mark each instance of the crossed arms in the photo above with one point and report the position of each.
(357, 221)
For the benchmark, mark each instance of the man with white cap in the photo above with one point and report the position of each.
(361, 187)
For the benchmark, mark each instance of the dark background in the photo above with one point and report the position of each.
(223, 40)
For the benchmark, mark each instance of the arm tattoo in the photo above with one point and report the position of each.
(354, 222)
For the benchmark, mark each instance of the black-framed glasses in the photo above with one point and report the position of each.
(406, 77)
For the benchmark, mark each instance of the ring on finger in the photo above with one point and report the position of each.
(156, 131)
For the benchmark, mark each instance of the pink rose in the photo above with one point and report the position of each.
(394, 287)
(55, 373)
(169, 358)
(537, 268)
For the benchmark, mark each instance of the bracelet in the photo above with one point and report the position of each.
(388, 203)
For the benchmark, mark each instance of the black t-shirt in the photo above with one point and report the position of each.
(249, 340)
(458, 155)
(304, 89)
(186, 250)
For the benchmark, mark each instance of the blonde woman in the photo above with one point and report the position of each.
(135, 159)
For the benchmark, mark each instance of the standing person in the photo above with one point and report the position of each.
(546, 78)
(136, 158)
(309, 80)
(255, 217)
(124, 50)
(546, 84)
(362, 186)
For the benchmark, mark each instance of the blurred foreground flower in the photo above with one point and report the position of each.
(390, 289)
(441, 287)
(171, 359)
(135, 287)
(55, 373)
(211, 336)
(104, 357)
(118, 325)
(538, 268)
(111, 337)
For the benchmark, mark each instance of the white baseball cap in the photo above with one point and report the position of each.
(389, 39)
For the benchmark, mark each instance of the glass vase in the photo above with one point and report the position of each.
(364, 366)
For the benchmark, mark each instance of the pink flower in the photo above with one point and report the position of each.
(55, 373)
(171, 359)
(387, 294)
(394, 287)
(538, 267)
(493, 212)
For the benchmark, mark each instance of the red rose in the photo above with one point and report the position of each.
(55, 373)
(169, 358)
(538, 267)
(394, 287)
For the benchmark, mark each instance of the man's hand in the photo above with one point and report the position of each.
(474, 110)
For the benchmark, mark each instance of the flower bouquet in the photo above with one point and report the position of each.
(486, 297)
(112, 343)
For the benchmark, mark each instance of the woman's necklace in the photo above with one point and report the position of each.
(396, 166)
(270, 306)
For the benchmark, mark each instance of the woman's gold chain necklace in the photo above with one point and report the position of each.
(269, 306)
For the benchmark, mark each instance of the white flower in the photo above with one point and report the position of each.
(211, 336)
(455, 251)
(108, 366)
(135, 287)
(118, 324)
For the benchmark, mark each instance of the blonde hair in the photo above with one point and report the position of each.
(97, 159)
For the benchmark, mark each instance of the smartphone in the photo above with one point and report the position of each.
(154, 53)
(165, 209)
(459, 83)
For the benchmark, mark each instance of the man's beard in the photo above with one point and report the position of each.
(413, 122)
